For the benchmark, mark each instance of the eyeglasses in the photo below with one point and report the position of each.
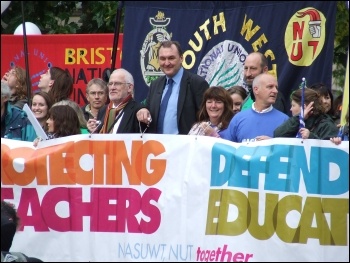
(117, 84)
(94, 93)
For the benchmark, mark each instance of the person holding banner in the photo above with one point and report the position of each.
(259, 122)
(173, 100)
(16, 80)
(318, 125)
(343, 134)
(120, 114)
(57, 82)
(14, 121)
(215, 113)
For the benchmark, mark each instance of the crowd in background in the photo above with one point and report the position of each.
(179, 102)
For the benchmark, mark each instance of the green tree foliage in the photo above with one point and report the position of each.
(341, 43)
(54, 17)
(93, 20)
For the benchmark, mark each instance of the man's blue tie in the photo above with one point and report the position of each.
(163, 106)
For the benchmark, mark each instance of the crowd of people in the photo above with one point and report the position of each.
(179, 102)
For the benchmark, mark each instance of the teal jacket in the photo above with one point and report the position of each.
(16, 125)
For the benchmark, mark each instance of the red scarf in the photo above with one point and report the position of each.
(112, 113)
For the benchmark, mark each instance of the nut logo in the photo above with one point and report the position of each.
(305, 36)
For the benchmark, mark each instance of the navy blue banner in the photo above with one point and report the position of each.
(297, 37)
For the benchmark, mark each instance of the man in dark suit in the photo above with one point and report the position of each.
(186, 94)
(119, 116)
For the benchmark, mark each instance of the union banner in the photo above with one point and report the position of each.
(85, 56)
(297, 37)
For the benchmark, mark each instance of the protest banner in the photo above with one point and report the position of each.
(85, 56)
(128, 197)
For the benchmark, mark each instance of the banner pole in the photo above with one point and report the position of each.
(115, 39)
(116, 33)
(345, 103)
(29, 87)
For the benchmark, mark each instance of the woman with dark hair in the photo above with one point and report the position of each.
(57, 82)
(41, 104)
(318, 124)
(214, 114)
(63, 121)
(16, 80)
(78, 110)
(326, 97)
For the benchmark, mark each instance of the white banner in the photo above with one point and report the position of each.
(178, 198)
